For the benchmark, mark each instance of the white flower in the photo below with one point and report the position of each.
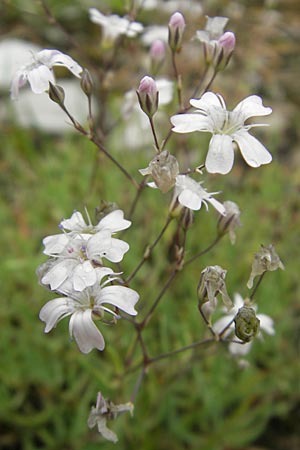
(83, 306)
(266, 326)
(191, 194)
(114, 26)
(226, 127)
(38, 72)
(80, 257)
(214, 29)
(113, 222)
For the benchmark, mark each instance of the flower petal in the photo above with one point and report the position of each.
(254, 153)
(187, 123)
(114, 222)
(75, 223)
(250, 107)
(266, 324)
(54, 311)
(84, 275)
(122, 297)
(220, 154)
(55, 244)
(58, 273)
(85, 332)
(39, 78)
(207, 101)
(190, 199)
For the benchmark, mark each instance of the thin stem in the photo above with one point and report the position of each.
(109, 156)
(202, 252)
(154, 134)
(180, 350)
(138, 194)
(257, 286)
(149, 314)
(148, 251)
(178, 80)
(207, 322)
(138, 385)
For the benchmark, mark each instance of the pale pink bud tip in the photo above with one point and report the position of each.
(158, 50)
(177, 21)
(227, 41)
(147, 86)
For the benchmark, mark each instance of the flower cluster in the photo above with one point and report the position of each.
(76, 270)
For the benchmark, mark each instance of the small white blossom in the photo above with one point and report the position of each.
(266, 326)
(79, 257)
(192, 195)
(213, 30)
(226, 127)
(84, 306)
(106, 410)
(38, 72)
(112, 222)
(114, 26)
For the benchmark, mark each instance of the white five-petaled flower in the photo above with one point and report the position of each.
(226, 127)
(191, 194)
(266, 326)
(77, 255)
(38, 72)
(83, 306)
(114, 26)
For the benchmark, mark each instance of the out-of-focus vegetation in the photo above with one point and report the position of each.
(200, 399)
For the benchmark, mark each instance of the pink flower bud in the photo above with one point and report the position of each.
(227, 41)
(225, 47)
(157, 50)
(148, 96)
(177, 21)
(176, 29)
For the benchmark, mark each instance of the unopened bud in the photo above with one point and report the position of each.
(56, 93)
(158, 50)
(229, 221)
(176, 29)
(226, 45)
(86, 83)
(163, 168)
(148, 96)
(246, 324)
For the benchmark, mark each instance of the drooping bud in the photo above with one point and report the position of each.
(148, 96)
(163, 168)
(86, 83)
(176, 29)
(246, 324)
(266, 260)
(230, 221)
(56, 94)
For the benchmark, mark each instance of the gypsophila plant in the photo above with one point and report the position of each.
(85, 266)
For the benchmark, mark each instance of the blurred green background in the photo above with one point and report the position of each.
(200, 399)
